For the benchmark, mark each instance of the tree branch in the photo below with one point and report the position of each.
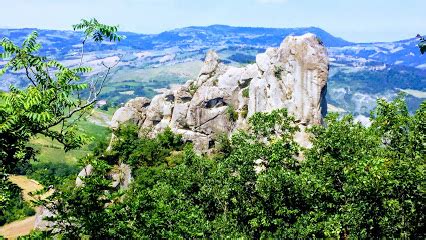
(95, 92)
(28, 76)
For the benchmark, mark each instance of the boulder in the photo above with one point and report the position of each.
(40, 222)
(249, 73)
(121, 116)
(263, 61)
(133, 110)
(120, 174)
(138, 103)
(86, 171)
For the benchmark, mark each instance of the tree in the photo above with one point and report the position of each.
(94, 209)
(84, 211)
(355, 182)
(53, 102)
(366, 182)
(422, 44)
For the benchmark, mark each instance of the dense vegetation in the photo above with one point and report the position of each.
(356, 181)
(50, 106)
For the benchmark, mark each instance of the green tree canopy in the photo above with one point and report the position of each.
(53, 101)
(355, 182)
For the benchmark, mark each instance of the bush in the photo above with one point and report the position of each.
(139, 151)
(232, 114)
(52, 173)
(223, 144)
(193, 88)
(277, 72)
(244, 111)
(246, 92)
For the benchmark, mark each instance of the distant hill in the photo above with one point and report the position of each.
(359, 72)
(245, 35)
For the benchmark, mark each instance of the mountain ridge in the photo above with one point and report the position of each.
(359, 72)
(212, 26)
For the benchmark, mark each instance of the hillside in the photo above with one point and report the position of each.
(359, 72)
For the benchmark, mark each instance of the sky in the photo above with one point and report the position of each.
(352, 20)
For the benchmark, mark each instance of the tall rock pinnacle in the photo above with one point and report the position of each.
(293, 76)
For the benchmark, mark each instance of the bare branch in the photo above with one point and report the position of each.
(81, 114)
(90, 102)
(82, 51)
(29, 77)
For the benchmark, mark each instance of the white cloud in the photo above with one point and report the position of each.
(272, 1)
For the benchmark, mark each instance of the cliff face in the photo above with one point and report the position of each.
(222, 98)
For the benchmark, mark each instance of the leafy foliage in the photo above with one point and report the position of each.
(52, 99)
(231, 113)
(142, 151)
(98, 31)
(277, 72)
(97, 200)
(368, 180)
(355, 182)
(52, 174)
(83, 211)
(246, 92)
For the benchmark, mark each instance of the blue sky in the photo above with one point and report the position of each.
(353, 20)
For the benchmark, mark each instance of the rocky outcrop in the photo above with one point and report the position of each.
(121, 175)
(40, 222)
(222, 98)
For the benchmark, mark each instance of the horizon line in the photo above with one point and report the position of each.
(207, 26)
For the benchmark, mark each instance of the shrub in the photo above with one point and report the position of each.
(193, 88)
(223, 144)
(244, 111)
(277, 72)
(232, 114)
(246, 92)
(142, 150)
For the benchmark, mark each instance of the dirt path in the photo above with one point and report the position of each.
(23, 226)
(18, 228)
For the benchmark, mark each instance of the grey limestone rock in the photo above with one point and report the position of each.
(293, 76)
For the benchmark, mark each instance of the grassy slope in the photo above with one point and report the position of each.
(52, 151)
(128, 82)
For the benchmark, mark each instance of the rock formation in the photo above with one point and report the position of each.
(121, 175)
(222, 98)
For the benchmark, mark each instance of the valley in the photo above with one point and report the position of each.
(359, 72)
